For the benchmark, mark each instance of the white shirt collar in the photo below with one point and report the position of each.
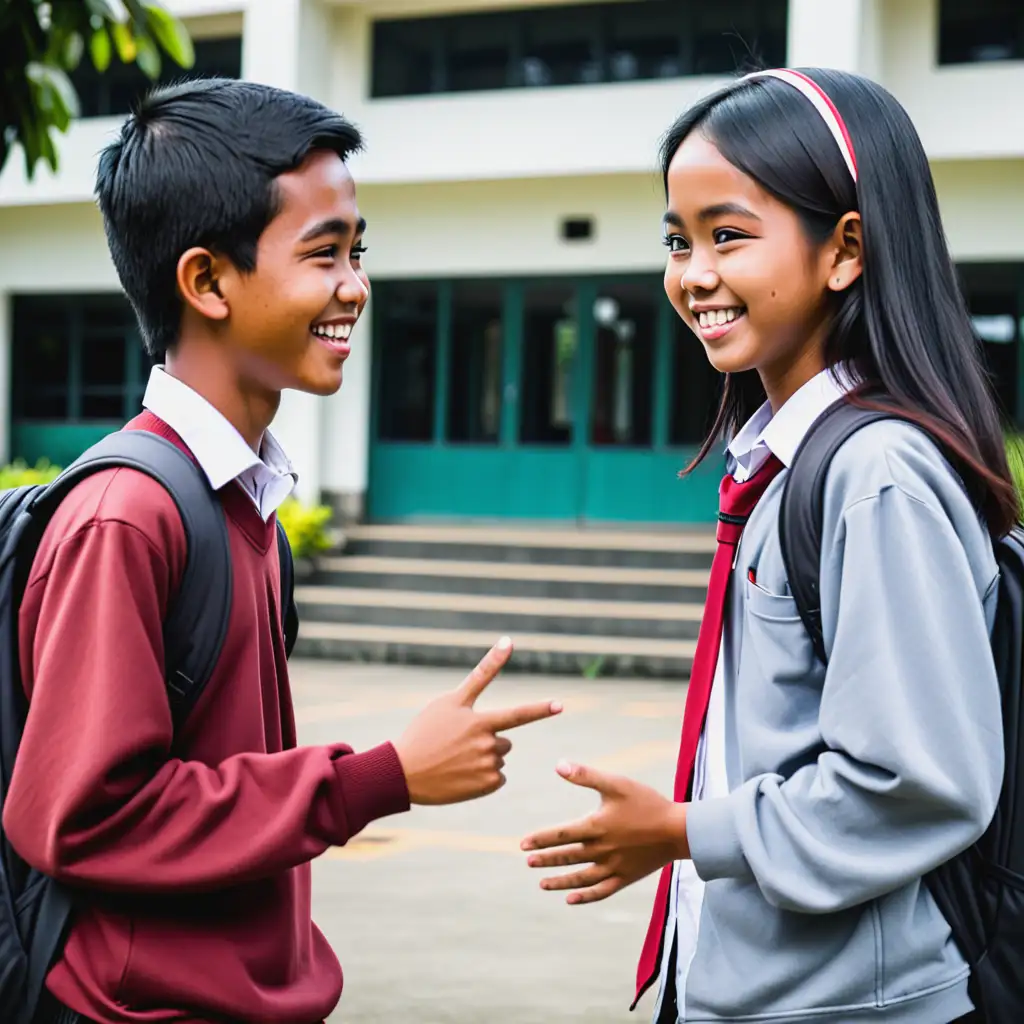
(780, 435)
(218, 447)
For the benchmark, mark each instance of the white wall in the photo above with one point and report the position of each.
(960, 111)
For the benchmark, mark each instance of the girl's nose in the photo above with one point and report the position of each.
(698, 277)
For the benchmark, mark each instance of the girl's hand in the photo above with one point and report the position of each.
(634, 832)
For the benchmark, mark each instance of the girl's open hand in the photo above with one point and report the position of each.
(634, 832)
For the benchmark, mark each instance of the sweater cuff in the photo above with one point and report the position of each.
(714, 839)
(372, 786)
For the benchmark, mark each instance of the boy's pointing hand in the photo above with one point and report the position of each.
(451, 752)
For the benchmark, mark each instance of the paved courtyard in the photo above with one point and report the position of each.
(434, 914)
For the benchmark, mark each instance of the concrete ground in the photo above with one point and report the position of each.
(434, 914)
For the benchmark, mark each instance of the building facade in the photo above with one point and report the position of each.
(518, 359)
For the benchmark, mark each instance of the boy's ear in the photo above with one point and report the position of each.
(199, 275)
(847, 248)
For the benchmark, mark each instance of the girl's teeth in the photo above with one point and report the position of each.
(718, 317)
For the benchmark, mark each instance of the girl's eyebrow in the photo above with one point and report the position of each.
(672, 219)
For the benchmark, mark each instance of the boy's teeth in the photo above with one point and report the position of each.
(341, 331)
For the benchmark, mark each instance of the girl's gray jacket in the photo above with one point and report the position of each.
(848, 784)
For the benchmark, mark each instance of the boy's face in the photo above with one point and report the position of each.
(290, 319)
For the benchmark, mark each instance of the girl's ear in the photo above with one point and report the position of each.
(847, 248)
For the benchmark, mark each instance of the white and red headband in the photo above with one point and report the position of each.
(821, 103)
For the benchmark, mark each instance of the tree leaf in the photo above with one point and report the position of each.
(74, 47)
(55, 87)
(101, 49)
(107, 10)
(148, 57)
(125, 42)
(169, 32)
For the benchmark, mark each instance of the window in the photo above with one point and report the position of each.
(407, 325)
(77, 359)
(116, 89)
(994, 293)
(575, 45)
(474, 364)
(550, 343)
(974, 31)
(696, 388)
(623, 397)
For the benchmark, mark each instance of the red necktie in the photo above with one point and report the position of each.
(735, 503)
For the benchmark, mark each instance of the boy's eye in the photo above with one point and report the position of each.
(675, 243)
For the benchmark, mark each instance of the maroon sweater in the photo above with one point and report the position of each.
(191, 852)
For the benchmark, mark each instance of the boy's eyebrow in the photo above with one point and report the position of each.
(332, 226)
(671, 219)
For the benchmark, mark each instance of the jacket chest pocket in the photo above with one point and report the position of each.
(780, 676)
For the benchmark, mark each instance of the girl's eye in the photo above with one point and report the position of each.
(675, 243)
(724, 235)
(328, 252)
(357, 251)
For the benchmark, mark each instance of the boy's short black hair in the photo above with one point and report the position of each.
(195, 165)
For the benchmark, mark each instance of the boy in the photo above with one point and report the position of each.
(232, 221)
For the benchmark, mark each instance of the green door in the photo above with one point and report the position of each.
(563, 399)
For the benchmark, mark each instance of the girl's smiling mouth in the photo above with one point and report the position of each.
(716, 323)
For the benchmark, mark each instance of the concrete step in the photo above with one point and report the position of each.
(692, 549)
(499, 614)
(515, 579)
(539, 652)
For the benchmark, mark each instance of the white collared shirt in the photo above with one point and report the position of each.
(761, 436)
(220, 450)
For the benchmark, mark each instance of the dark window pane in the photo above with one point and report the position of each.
(478, 52)
(116, 89)
(550, 342)
(575, 45)
(41, 360)
(407, 326)
(561, 48)
(406, 58)
(622, 405)
(980, 30)
(103, 362)
(474, 382)
(696, 389)
(70, 357)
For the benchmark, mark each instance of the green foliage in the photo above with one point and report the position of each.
(306, 526)
(1015, 456)
(41, 41)
(18, 474)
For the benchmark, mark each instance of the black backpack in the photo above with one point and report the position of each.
(34, 909)
(981, 891)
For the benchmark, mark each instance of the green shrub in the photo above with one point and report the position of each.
(1015, 456)
(306, 526)
(18, 474)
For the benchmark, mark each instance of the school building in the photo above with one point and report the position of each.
(518, 360)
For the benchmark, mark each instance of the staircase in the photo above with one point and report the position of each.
(574, 601)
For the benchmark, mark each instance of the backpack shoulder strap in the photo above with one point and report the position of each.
(197, 619)
(802, 510)
(289, 613)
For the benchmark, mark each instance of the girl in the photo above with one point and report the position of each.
(806, 253)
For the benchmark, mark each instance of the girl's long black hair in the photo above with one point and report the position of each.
(903, 328)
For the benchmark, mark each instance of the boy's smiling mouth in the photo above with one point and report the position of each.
(335, 333)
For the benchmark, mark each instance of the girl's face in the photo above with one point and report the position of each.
(742, 273)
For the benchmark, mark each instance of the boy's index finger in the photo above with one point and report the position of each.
(512, 718)
(486, 669)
